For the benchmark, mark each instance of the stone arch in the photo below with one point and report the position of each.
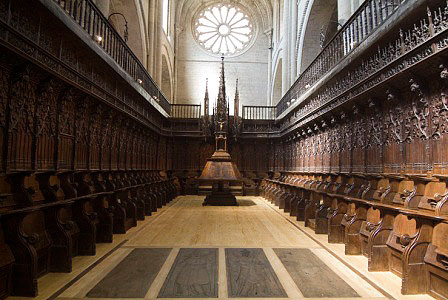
(167, 81)
(277, 92)
(321, 14)
(134, 15)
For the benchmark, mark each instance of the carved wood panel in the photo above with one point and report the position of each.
(45, 125)
(66, 130)
(106, 139)
(375, 139)
(358, 142)
(95, 136)
(4, 88)
(21, 120)
(82, 129)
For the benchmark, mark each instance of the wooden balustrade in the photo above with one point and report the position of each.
(89, 17)
(185, 111)
(259, 112)
(369, 16)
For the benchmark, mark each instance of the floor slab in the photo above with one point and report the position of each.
(133, 276)
(312, 276)
(194, 274)
(249, 274)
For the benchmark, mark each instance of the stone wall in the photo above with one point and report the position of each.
(194, 65)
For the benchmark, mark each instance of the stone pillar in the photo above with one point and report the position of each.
(286, 51)
(158, 52)
(179, 31)
(269, 35)
(152, 38)
(293, 39)
(344, 10)
(104, 6)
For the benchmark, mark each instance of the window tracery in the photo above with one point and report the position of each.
(223, 29)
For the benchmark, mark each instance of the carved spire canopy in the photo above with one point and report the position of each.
(206, 99)
(221, 109)
(237, 101)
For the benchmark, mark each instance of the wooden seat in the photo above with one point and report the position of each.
(374, 233)
(336, 213)
(400, 189)
(332, 186)
(352, 221)
(125, 213)
(60, 223)
(30, 242)
(104, 209)
(432, 197)
(436, 260)
(249, 187)
(84, 213)
(407, 244)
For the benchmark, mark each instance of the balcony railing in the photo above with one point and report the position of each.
(259, 112)
(369, 16)
(185, 111)
(90, 18)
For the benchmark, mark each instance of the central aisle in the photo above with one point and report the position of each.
(191, 251)
(252, 224)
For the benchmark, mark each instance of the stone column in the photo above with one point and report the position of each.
(293, 39)
(269, 35)
(104, 6)
(179, 30)
(344, 10)
(152, 38)
(158, 52)
(286, 51)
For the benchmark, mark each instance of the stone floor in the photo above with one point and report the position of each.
(252, 251)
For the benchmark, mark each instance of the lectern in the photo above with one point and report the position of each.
(219, 170)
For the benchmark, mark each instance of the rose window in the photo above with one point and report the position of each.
(223, 29)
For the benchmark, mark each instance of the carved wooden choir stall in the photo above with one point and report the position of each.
(74, 169)
(397, 218)
(89, 145)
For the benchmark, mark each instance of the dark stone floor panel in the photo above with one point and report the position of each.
(194, 274)
(249, 274)
(133, 276)
(312, 276)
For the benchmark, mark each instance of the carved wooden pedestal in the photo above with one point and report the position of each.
(220, 171)
(220, 196)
